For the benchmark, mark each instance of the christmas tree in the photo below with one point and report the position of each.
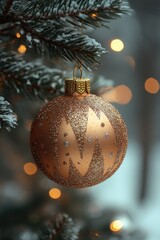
(40, 43)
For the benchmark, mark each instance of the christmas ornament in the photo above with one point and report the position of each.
(78, 140)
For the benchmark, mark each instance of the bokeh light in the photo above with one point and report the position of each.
(120, 94)
(18, 35)
(97, 234)
(22, 49)
(30, 168)
(116, 226)
(117, 45)
(55, 193)
(93, 15)
(152, 85)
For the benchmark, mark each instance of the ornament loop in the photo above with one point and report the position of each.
(77, 67)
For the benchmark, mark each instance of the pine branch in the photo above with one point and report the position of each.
(91, 13)
(29, 79)
(60, 228)
(63, 42)
(7, 6)
(51, 25)
(7, 117)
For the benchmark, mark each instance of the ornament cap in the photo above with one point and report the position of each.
(77, 85)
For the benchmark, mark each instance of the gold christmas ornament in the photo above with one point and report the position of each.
(78, 140)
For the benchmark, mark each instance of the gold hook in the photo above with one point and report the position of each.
(77, 67)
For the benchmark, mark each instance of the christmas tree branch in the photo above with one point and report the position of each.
(63, 42)
(92, 13)
(7, 6)
(51, 25)
(7, 117)
(29, 79)
(61, 227)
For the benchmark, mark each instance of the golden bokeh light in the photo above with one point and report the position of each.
(120, 94)
(30, 168)
(93, 15)
(22, 49)
(152, 85)
(18, 35)
(55, 193)
(117, 45)
(97, 234)
(123, 94)
(116, 226)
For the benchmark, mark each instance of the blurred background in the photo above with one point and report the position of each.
(127, 205)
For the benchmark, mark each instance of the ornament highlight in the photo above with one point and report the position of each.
(78, 140)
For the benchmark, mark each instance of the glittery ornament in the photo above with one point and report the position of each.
(78, 139)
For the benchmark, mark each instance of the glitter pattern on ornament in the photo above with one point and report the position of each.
(84, 140)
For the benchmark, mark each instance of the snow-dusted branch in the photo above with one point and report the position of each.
(63, 42)
(55, 25)
(92, 13)
(32, 80)
(7, 117)
(60, 227)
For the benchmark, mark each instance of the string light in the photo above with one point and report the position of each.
(152, 85)
(117, 45)
(55, 193)
(116, 226)
(18, 35)
(22, 49)
(93, 15)
(30, 168)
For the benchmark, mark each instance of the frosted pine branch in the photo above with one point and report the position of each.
(61, 227)
(76, 11)
(51, 25)
(7, 117)
(63, 42)
(29, 79)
